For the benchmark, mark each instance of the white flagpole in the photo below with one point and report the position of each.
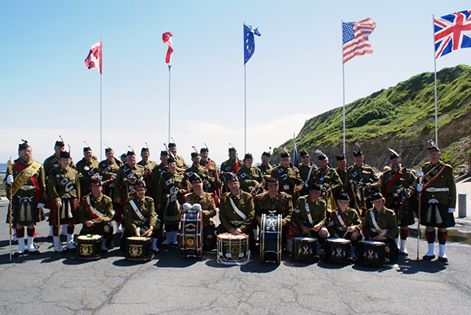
(435, 81)
(245, 110)
(101, 102)
(169, 99)
(343, 92)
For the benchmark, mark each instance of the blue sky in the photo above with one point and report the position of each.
(295, 73)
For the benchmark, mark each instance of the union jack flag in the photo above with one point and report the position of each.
(355, 38)
(452, 32)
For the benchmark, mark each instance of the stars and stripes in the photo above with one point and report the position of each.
(94, 58)
(452, 32)
(355, 38)
(167, 39)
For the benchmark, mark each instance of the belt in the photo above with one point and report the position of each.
(433, 189)
(27, 187)
(236, 222)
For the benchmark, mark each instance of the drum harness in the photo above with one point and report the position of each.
(137, 211)
(239, 213)
(375, 227)
(93, 211)
(308, 212)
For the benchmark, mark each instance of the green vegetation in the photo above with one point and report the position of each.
(397, 114)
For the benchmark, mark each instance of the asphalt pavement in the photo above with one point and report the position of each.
(49, 283)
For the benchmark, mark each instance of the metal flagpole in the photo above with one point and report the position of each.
(343, 94)
(101, 102)
(245, 110)
(435, 81)
(101, 116)
(169, 108)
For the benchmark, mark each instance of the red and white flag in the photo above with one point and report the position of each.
(166, 38)
(95, 58)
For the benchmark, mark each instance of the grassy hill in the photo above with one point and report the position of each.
(400, 117)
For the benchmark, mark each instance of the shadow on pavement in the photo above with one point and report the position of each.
(257, 267)
(412, 266)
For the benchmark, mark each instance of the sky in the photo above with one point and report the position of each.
(294, 74)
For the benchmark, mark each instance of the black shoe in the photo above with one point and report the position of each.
(443, 259)
(428, 258)
(33, 252)
(404, 254)
(18, 254)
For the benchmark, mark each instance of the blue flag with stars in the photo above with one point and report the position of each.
(249, 41)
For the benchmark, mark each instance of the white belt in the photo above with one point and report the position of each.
(433, 189)
(27, 187)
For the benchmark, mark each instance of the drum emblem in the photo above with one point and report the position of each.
(271, 224)
(190, 242)
(135, 250)
(86, 249)
(338, 252)
(372, 255)
(306, 250)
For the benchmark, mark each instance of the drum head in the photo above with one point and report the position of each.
(229, 236)
(305, 239)
(89, 237)
(138, 238)
(373, 243)
(338, 240)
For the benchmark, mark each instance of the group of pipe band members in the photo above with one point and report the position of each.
(314, 200)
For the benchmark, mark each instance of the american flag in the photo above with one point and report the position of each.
(452, 32)
(355, 38)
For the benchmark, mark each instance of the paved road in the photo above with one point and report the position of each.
(52, 284)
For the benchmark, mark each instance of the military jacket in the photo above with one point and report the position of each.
(386, 221)
(228, 216)
(316, 209)
(281, 204)
(147, 209)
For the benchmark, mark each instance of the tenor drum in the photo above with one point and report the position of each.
(371, 253)
(190, 235)
(138, 249)
(305, 249)
(338, 250)
(89, 246)
(233, 249)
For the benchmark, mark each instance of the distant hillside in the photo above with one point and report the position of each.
(400, 117)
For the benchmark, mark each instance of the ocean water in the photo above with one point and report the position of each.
(3, 167)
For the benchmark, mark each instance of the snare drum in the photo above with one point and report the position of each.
(305, 249)
(270, 238)
(371, 253)
(138, 249)
(338, 250)
(233, 249)
(190, 235)
(89, 246)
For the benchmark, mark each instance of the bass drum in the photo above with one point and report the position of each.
(270, 238)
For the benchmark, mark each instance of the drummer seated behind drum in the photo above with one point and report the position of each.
(276, 202)
(96, 212)
(310, 214)
(198, 196)
(344, 222)
(140, 217)
(236, 210)
(380, 224)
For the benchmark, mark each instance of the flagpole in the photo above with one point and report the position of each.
(101, 102)
(245, 110)
(169, 99)
(343, 92)
(435, 81)
(101, 117)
